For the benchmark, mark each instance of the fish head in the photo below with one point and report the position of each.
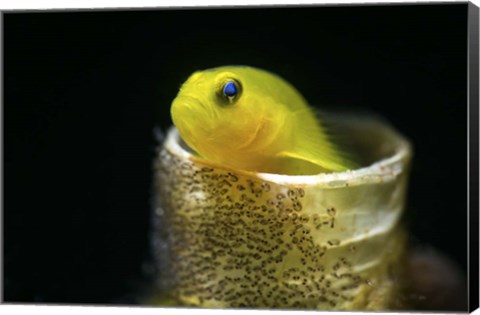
(222, 109)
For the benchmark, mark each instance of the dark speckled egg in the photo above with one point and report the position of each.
(231, 238)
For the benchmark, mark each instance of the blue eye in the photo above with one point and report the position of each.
(230, 89)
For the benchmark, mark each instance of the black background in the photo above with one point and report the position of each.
(84, 90)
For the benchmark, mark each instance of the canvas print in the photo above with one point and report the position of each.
(283, 157)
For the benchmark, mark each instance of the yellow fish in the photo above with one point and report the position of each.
(251, 119)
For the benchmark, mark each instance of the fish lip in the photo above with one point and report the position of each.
(190, 109)
(196, 105)
(181, 100)
(186, 106)
(190, 101)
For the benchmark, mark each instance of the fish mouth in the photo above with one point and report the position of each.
(189, 115)
(186, 100)
(185, 107)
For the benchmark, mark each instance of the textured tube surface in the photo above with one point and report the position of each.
(230, 238)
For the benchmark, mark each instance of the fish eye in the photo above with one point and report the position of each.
(231, 90)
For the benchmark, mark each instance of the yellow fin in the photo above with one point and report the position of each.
(312, 143)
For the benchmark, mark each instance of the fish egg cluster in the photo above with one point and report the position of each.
(234, 240)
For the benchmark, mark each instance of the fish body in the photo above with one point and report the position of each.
(251, 119)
